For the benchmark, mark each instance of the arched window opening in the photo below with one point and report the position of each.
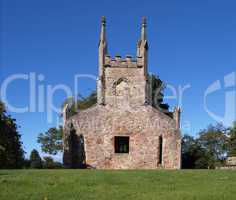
(121, 87)
(160, 150)
(77, 150)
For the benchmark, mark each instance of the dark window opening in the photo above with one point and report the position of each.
(160, 149)
(121, 144)
(77, 150)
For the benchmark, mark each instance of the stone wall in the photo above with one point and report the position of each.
(143, 124)
(124, 76)
(231, 161)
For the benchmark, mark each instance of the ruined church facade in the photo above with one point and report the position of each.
(123, 130)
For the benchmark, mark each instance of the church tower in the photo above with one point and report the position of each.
(123, 81)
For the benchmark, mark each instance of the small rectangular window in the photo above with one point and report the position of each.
(121, 144)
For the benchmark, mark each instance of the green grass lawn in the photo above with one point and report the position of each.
(110, 185)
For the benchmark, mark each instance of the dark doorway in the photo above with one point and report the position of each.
(77, 150)
(160, 150)
(121, 144)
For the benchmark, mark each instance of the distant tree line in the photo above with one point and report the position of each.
(47, 162)
(210, 148)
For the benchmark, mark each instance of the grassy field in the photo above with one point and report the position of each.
(110, 185)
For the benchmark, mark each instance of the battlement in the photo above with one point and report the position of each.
(127, 62)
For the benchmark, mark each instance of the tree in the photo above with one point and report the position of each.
(49, 163)
(156, 92)
(26, 164)
(87, 102)
(2, 108)
(51, 140)
(232, 140)
(11, 150)
(193, 155)
(35, 160)
(81, 103)
(211, 147)
(214, 140)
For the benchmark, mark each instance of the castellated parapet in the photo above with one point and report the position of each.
(129, 61)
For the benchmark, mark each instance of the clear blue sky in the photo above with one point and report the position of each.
(191, 42)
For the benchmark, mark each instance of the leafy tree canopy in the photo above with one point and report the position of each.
(11, 150)
(232, 140)
(49, 163)
(35, 160)
(194, 156)
(214, 139)
(81, 103)
(156, 91)
(210, 148)
(51, 140)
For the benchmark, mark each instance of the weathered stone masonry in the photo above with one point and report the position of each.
(123, 130)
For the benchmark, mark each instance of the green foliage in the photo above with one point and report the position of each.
(81, 104)
(232, 140)
(194, 156)
(214, 139)
(208, 150)
(49, 163)
(87, 102)
(35, 160)
(11, 150)
(51, 140)
(26, 164)
(2, 108)
(156, 90)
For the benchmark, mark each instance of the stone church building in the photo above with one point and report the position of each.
(123, 130)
